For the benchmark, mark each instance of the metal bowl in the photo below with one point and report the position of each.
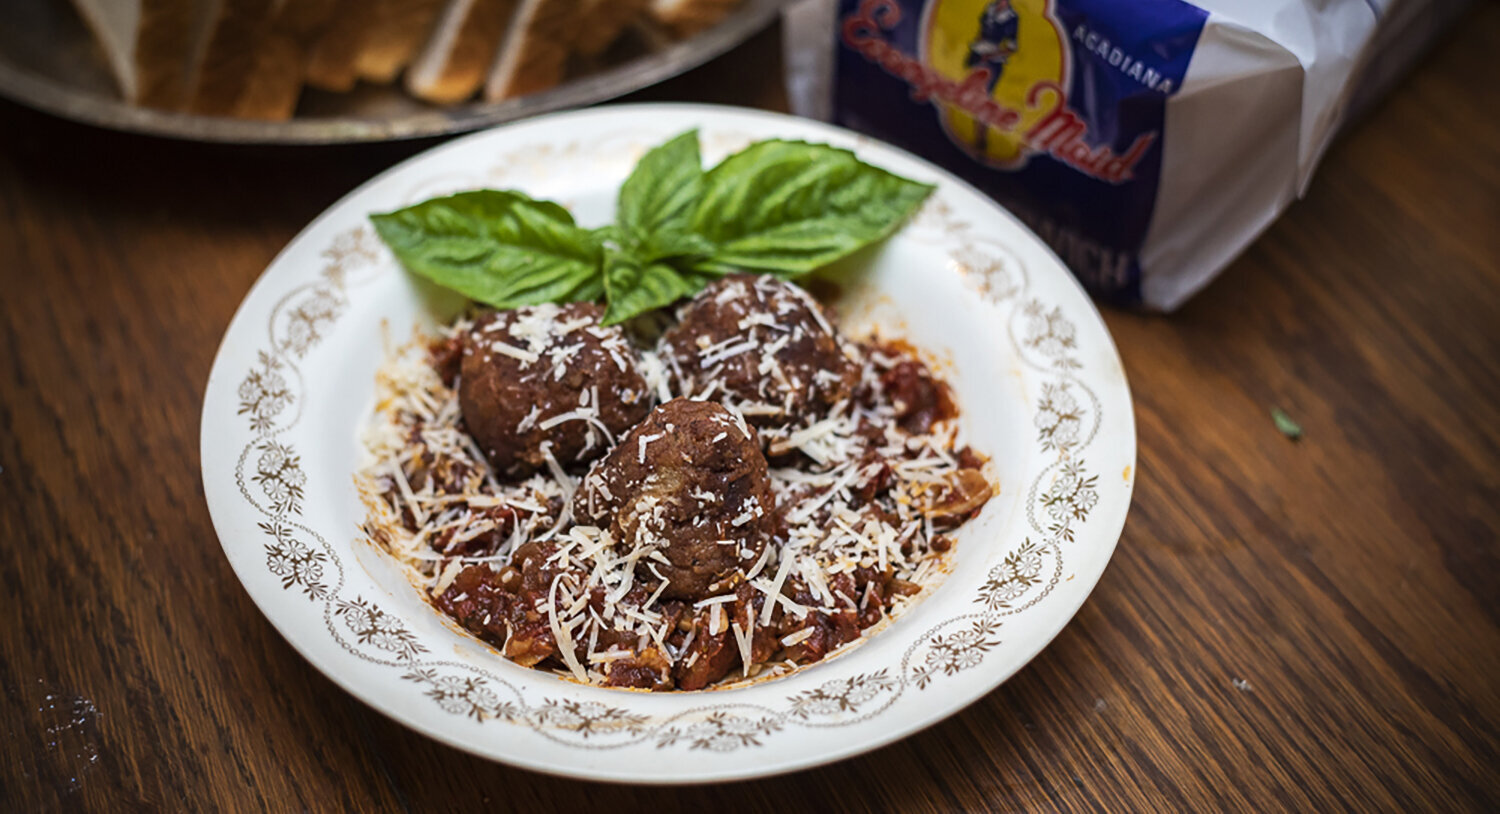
(48, 61)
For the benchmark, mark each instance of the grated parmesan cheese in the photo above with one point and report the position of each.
(505, 349)
(828, 530)
(797, 638)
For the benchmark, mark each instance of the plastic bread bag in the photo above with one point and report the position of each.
(1147, 142)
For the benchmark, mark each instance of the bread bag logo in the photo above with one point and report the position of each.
(997, 72)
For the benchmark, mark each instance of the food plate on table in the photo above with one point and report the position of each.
(339, 71)
(1006, 506)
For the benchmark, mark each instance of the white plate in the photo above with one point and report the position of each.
(1036, 375)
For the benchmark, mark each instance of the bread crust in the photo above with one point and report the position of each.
(684, 18)
(401, 28)
(534, 55)
(457, 68)
(149, 64)
(606, 20)
(231, 56)
(331, 58)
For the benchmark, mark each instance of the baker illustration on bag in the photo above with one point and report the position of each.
(1008, 61)
(1058, 109)
(998, 74)
(999, 27)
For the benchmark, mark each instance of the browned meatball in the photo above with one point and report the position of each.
(763, 345)
(548, 375)
(691, 482)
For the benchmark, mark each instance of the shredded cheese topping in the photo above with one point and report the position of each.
(855, 490)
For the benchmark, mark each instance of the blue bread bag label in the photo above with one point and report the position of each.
(1054, 108)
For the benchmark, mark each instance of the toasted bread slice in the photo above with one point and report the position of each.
(275, 80)
(684, 18)
(229, 58)
(206, 19)
(604, 20)
(534, 54)
(304, 19)
(401, 27)
(332, 57)
(459, 51)
(146, 43)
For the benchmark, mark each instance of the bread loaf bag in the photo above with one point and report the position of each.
(1148, 142)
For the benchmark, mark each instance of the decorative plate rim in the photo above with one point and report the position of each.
(1044, 337)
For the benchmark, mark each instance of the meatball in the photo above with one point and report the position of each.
(762, 344)
(548, 378)
(690, 482)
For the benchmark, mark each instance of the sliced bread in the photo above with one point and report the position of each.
(305, 19)
(331, 59)
(459, 51)
(146, 43)
(684, 18)
(230, 55)
(401, 27)
(606, 19)
(534, 54)
(275, 81)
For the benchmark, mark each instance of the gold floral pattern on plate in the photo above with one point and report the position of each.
(1063, 417)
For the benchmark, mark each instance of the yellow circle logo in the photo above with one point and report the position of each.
(1005, 48)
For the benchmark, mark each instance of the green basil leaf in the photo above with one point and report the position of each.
(662, 190)
(607, 234)
(789, 207)
(672, 243)
(498, 247)
(710, 267)
(635, 286)
(1285, 424)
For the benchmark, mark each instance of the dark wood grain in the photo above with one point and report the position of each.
(1299, 626)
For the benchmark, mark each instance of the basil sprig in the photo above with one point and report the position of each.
(777, 207)
(497, 247)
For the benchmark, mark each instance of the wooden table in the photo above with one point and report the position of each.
(1286, 625)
